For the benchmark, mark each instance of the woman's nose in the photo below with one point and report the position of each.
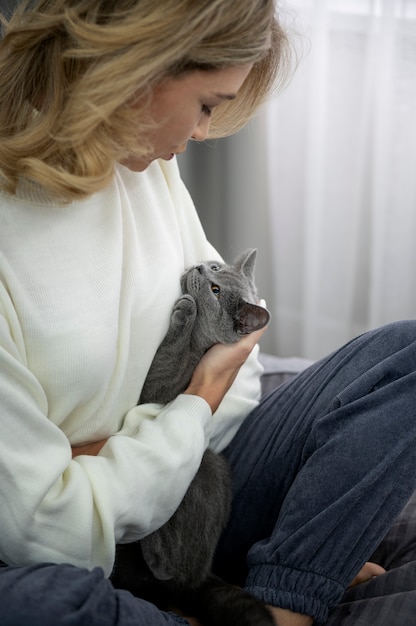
(201, 131)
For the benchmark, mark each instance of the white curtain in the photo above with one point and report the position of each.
(324, 181)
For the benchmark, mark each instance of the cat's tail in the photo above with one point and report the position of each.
(217, 603)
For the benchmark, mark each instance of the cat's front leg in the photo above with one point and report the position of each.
(174, 362)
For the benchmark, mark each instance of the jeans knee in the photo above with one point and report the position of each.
(401, 331)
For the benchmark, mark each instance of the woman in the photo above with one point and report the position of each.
(96, 98)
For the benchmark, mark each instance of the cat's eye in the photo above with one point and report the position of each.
(215, 290)
(215, 268)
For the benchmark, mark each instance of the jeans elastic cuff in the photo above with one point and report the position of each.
(296, 590)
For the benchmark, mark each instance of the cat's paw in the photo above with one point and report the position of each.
(184, 312)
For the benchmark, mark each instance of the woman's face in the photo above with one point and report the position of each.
(181, 106)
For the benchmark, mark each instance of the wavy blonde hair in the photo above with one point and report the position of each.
(70, 69)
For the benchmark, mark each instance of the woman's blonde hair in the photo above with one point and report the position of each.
(70, 70)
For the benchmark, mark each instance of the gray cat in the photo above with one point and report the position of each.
(218, 306)
(171, 566)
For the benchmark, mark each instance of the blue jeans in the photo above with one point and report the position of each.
(64, 595)
(321, 470)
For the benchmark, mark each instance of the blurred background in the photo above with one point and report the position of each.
(323, 181)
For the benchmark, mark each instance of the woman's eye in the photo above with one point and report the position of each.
(215, 290)
(206, 110)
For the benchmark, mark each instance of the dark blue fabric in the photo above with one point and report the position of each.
(321, 470)
(63, 595)
(390, 599)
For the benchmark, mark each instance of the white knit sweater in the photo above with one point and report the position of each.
(86, 292)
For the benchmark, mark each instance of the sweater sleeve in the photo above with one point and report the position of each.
(56, 509)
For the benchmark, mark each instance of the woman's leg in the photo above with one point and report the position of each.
(321, 469)
(399, 545)
(388, 600)
(58, 595)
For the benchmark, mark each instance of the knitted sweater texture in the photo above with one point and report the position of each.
(86, 292)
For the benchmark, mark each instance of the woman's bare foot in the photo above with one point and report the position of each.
(283, 617)
(368, 570)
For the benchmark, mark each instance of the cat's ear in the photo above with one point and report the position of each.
(251, 317)
(245, 263)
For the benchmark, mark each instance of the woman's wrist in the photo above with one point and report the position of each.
(91, 449)
(212, 392)
(218, 368)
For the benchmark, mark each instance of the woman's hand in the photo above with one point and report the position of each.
(91, 449)
(218, 368)
(212, 378)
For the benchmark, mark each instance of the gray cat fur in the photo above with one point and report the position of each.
(200, 319)
(182, 550)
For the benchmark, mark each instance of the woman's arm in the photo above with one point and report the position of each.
(62, 510)
(212, 379)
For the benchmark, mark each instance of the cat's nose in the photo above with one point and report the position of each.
(200, 268)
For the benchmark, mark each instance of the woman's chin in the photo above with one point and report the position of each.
(135, 165)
